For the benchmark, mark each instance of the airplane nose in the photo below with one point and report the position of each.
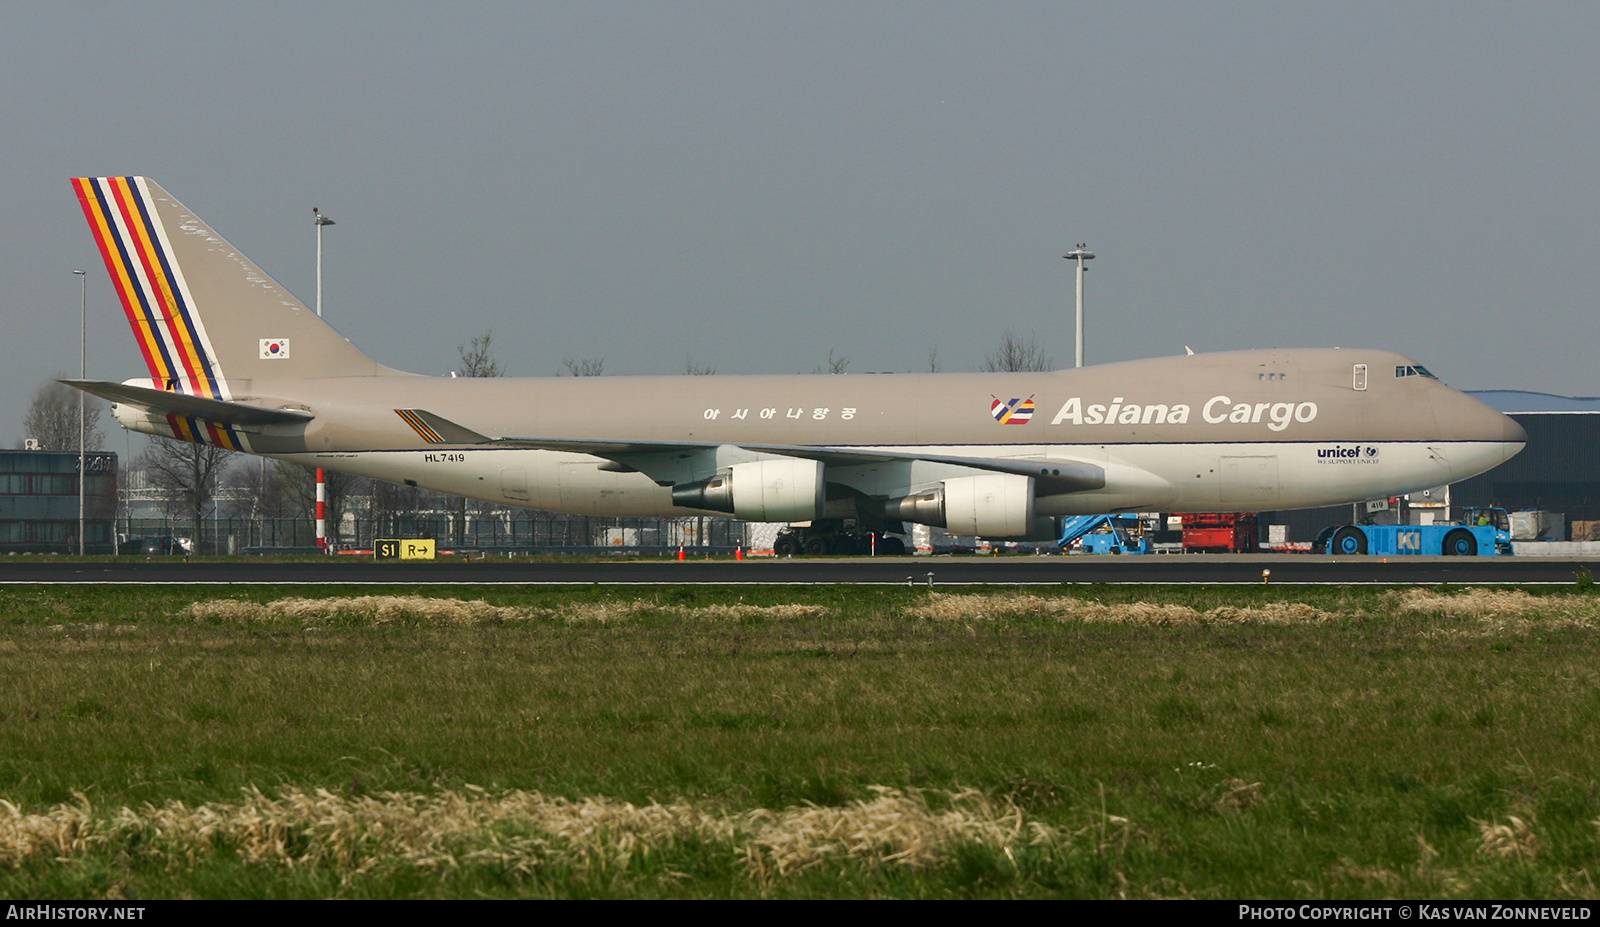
(1490, 424)
(1511, 432)
(1464, 418)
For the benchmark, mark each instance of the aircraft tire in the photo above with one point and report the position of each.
(1459, 543)
(1348, 540)
(815, 545)
(787, 545)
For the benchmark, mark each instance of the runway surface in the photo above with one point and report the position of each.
(945, 571)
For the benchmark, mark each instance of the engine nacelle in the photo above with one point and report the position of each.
(995, 505)
(924, 508)
(761, 490)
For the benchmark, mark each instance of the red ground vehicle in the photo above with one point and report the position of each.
(1219, 532)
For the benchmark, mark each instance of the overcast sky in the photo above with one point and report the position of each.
(754, 184)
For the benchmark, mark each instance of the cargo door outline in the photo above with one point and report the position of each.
(514, 483)
(1245, 478)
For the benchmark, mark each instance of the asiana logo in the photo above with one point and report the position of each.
(1348, 454)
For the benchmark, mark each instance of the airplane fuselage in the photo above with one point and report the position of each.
(236, 360)
(1272, 429)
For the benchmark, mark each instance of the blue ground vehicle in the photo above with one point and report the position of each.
(1482, 532)
(1105, 534)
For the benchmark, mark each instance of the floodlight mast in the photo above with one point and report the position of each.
(322, 525)
(320, 220)
(83, 374)
(1080, 254)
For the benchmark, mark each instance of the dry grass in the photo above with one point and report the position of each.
(1499, 611)
(62, 832)
(1512, 840)
(895, 828)
(1492, 611)
(390, 609)
(1237, 795)
(366, 609)
(602, 613)
(1473, 603)
(517, 831)
(958, 607)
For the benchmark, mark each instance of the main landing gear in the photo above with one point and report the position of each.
(832, 536)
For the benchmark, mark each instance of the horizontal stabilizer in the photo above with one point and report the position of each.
(220, 411)
(437, 430)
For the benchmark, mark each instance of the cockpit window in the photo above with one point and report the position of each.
(1416, 370)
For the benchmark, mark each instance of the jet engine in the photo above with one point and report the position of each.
(761, 490)
(993, 505)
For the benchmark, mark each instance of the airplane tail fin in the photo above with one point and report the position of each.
(202, 313)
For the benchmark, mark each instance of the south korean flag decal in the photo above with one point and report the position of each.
(274, 349)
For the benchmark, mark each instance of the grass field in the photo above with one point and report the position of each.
(799, 742)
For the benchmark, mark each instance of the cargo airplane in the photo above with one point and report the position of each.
(237, 361)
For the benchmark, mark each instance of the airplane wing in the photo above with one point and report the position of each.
(1054, 475)
(220, 411)
(669, 462)
(674, 461)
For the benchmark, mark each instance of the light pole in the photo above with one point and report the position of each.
(1080, 254)
(83, 374)
(322, 524)
(320, 220)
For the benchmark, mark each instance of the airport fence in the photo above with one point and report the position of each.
(518, 531)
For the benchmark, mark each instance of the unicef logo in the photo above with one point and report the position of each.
(1358, 454)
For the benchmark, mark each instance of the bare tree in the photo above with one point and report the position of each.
(257, 490)
(300, 492)
(476, 361)
(836, 365)
(257, 495)
(188, 473)
(52, 418)
(1015, 354)
(476, 358)
(584, 367)
(697, 370)
(394, 506)
(933, 359)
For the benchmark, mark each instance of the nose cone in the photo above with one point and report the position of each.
(1481, 437)
(1463, 418)
(1497, 427)
(1512, 433)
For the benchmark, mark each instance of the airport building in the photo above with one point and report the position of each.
(39, 501)
(1559, 471)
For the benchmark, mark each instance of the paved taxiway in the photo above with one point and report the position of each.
(1021, 570)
